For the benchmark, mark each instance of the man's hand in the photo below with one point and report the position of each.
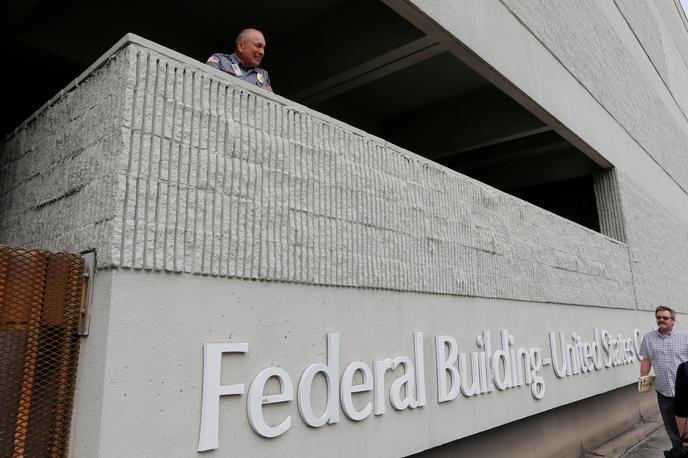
(682, 424)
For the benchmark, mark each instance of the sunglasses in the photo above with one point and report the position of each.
(663, 318)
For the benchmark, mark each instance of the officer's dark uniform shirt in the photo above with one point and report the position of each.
(231, 64)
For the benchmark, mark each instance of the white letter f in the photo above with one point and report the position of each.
(212, 390)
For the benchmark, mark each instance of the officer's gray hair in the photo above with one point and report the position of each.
(243, 35)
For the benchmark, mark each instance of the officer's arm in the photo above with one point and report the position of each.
(214, 61)
(268, 84)
(645, 366)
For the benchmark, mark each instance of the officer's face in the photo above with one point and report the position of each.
(251, 50)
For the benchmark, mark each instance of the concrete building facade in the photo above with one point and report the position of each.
(275, 281)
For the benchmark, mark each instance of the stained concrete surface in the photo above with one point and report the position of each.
(646, 439)
(652, 446)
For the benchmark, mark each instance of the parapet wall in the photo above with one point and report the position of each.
(59, 169)
(187, 170)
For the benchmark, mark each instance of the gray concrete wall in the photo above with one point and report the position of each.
(659, 249)
(657, 27)
(214, 178)
(141, 369)
(607, 61)
(613, 74)
(584, 39)
(563, 432)
(59, 169)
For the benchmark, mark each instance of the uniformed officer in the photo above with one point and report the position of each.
(245, 60)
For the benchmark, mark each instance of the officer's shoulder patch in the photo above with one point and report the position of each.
(213, 60)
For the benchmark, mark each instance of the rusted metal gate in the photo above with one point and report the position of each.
(40, 308)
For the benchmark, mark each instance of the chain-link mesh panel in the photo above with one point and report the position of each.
(40, 300)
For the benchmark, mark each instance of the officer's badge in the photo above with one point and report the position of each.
(260, 78)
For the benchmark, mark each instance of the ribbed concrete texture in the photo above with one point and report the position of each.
(659, 250)
(58, 170)
(659, 43)
(609, 207)
(162, 163)
(223, 181)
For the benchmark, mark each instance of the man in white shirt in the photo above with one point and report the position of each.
(663, 350)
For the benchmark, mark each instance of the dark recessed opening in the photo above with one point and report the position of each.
(573, 199)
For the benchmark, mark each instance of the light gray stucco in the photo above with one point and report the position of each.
(151, 362)
(601, 62)
(206, 176)
(594, 77)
